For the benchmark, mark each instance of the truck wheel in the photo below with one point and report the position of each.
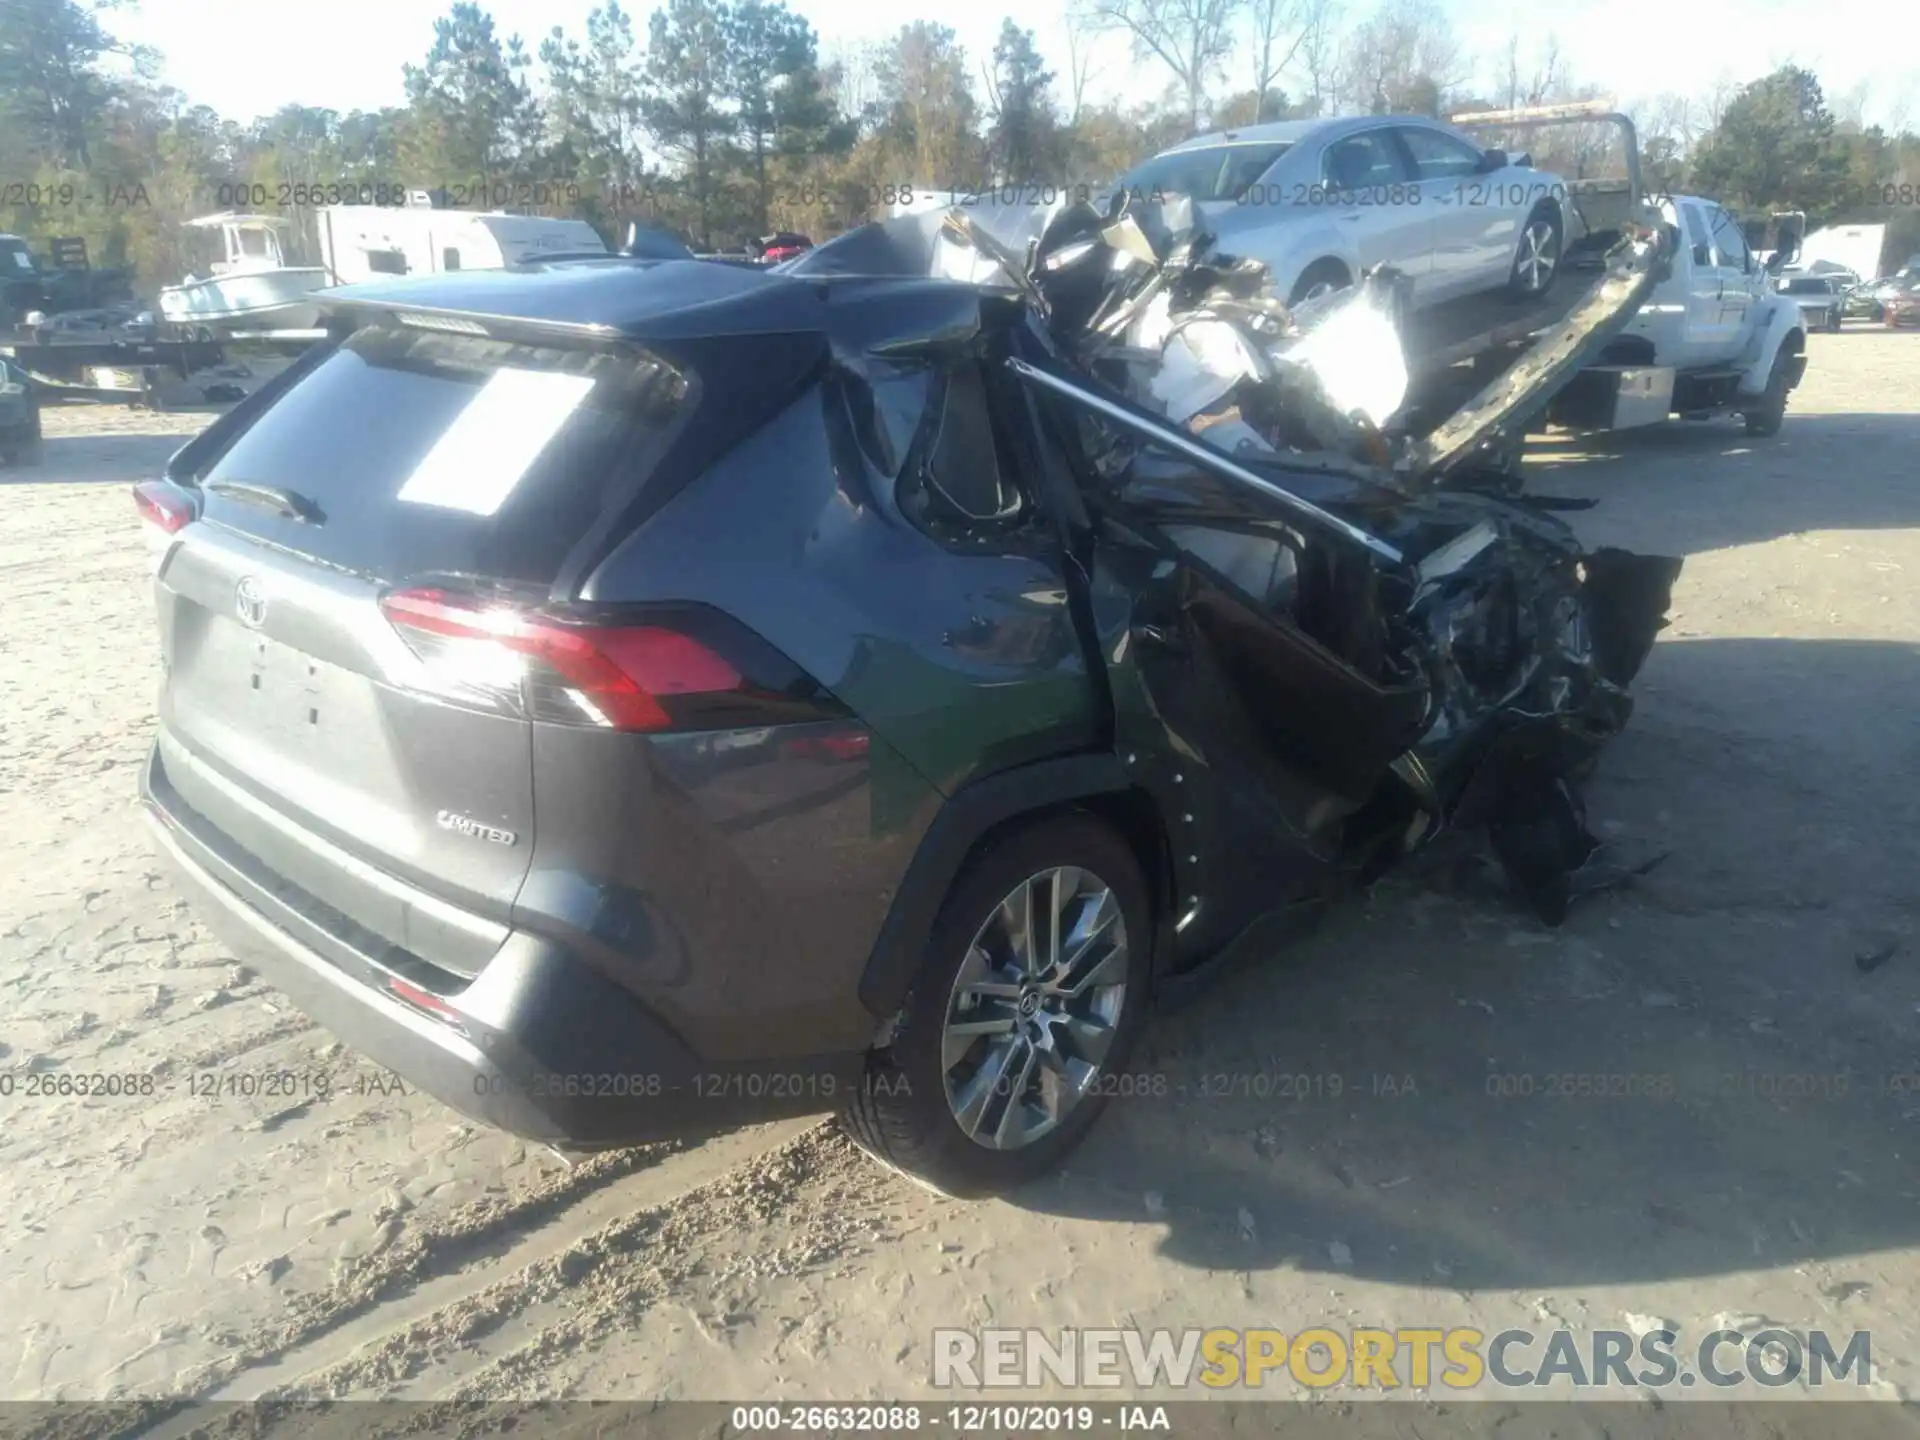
(1767, 419)
(1323, 277)
(1033, 988)
(1538, 259)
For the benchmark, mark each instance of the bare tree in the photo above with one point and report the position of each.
(1897, 114)
(1081, 71)
(1671, 116)
(1543, 77)
(1713, 105)
(1403, 57)
(851, 65)
(1279, 29)
(1189, 37)
(1850, 107)
(1318, 49)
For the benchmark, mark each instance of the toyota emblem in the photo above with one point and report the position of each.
(249, 603)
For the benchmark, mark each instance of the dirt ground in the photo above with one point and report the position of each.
(176, 1242)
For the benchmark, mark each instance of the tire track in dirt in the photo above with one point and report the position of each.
(795, 1207)
(361, 1285)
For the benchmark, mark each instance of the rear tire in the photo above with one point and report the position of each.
(908, 1112)
(1537, 260)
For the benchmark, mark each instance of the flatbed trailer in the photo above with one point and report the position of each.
(1457, 348)
(115, 371)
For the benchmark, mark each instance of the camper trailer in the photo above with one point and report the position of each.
(364, 242)
(1854, 248)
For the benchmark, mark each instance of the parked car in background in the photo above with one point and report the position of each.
(1866, 300)
(19, 416)
(1822, 299)
(1823, 269)
(645, 243)
(1321, 201)
(783, 245)
(1902, 306)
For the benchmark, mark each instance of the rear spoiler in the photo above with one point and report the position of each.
(465, 322)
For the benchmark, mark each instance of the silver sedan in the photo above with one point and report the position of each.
(1320, 201)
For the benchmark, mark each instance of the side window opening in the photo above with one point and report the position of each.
(1363, 160)
(964, 464)
(1438, 156)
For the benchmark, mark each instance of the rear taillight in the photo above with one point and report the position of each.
(688, 669)
(162, 506)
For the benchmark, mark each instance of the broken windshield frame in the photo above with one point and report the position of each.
(1160, 433)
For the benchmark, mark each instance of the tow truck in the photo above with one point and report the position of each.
(1712, 338)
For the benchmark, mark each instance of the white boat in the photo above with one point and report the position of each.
(252, 287)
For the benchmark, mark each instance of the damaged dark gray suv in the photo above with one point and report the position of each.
(630, 698)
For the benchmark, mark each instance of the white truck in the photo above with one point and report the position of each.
(1715, 337)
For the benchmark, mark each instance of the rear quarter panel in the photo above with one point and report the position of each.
(961, 665)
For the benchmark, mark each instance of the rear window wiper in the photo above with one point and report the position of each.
(290, 503)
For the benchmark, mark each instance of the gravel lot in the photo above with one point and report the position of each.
(241, 1245)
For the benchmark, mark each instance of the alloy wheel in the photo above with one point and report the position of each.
(1539, 253)
(1035, 1008)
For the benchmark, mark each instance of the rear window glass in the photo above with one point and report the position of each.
(428, 452)
(1216, 172)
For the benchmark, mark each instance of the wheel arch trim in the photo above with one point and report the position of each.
(968, 817)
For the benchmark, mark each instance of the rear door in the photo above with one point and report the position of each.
(295, 719)
(1254, 685)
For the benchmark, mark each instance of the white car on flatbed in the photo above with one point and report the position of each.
(1320, 202)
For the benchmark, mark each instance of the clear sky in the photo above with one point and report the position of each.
(248, 59)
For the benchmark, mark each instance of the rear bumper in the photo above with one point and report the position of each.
(541, 1043)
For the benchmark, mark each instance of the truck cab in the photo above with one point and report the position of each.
(1702, 313)
(1714, 337)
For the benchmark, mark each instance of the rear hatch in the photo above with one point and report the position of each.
(357, 756)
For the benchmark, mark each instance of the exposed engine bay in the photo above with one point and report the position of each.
(1399, 628)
